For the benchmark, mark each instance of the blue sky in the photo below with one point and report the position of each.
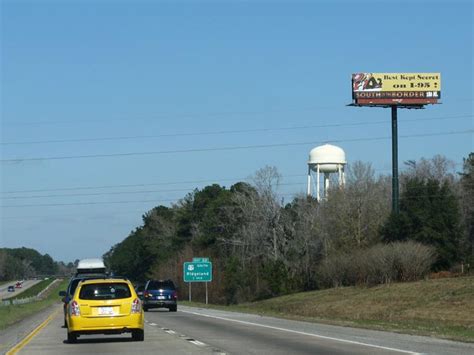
(192, 75)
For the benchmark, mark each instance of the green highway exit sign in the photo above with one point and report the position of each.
(197, 271)
(200, 260)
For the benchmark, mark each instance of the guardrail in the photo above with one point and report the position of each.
(30, 299)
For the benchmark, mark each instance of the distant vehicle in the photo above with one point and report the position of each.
(19, 284)
(90, 266)
(11, 288)
(105, 306)
(160, 294)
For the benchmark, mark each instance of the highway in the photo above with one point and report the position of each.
(4, 294)
(203, 331)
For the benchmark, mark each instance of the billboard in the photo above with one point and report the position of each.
(372, 89)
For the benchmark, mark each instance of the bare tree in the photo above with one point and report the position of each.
(305, 240)
(352, 216)
(438, 168)
(267, 181)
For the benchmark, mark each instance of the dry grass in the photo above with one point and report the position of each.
(442, 308)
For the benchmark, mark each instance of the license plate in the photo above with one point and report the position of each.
(161, 297)
(106, 311)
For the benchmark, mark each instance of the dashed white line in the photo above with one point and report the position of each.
(197, 342)
(172, 332)
(304, 333)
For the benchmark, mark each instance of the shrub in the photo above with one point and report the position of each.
(403, 261)
(413, 260)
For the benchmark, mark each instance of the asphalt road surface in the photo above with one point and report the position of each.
(200, 331)
(4, 294)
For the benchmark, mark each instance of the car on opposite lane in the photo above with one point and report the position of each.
(105, 306)
(11, 288)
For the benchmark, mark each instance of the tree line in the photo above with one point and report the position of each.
(23, 263)
(262, 247)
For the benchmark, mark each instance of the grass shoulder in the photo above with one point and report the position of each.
(13, 313)
(442, 308)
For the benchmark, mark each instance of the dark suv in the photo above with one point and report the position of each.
(160, 294)
(71, 288)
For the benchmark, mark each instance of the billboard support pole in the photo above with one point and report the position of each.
(206, 293)
(190, 291)
(395, 191)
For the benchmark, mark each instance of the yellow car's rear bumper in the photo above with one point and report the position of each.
(107, 324)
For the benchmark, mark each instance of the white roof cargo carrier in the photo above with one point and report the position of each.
(90, 266)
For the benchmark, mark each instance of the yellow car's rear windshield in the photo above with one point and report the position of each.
(105, 291)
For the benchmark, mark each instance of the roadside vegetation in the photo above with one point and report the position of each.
(24, 263)
(436, 307)
(13, 313)
(263, 247)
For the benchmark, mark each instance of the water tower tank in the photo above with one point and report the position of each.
(328, 157)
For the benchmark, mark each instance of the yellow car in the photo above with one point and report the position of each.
(105, 306)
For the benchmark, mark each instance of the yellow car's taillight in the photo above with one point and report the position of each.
(136, 306)
(74, 309)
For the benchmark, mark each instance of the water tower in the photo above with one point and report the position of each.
(326, 159)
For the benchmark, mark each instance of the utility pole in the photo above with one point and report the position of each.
(395, 190)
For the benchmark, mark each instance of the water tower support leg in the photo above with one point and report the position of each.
(317, 183)
(339, 168)
(326, 185)
(309, 181)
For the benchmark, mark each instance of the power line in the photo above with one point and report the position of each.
(168, 117)
(216, 180)
(114, 193)
(94, 213)
(102, 202)
(222, 132)
(88, 203)
(193, 115)
(140, 185)
(294, 194)
(234, 180)
(113, 186)
(202, 150)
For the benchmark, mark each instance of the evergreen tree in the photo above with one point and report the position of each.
(429, 214)
(467, 201)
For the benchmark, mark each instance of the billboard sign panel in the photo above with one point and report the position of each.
(374, 89)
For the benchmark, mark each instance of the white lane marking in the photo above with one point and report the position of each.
(304, 333)
(170, 331)
(152, 323)
(197, 342)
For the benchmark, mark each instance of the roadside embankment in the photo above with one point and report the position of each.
(442, 308)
